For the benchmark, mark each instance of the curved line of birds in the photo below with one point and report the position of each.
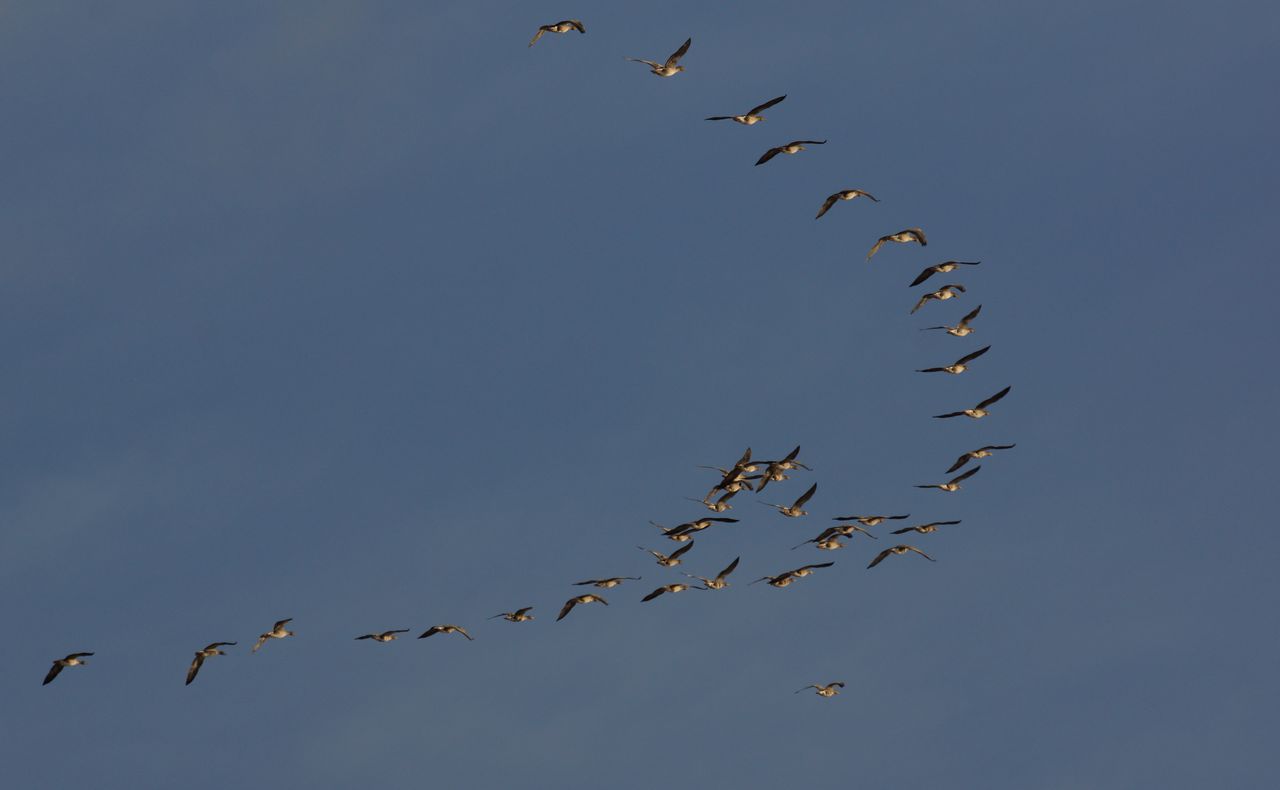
(742, 475)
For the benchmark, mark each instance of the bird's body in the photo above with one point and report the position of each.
(960, 365)
(793, 147)
(895, 550)
(384, 636)
(977, 412)
(606, 584)
(572, 602)
(961, 329)
(901, 237)
(871, 521)
(445, 629)
(669, 68)
(980, 453)
(278, 631)
(750, 117)
(924, 529)
(518, 616)
(953, 484)
(794, 510)
(209, 651)
(563, 26)
(829, 690)
(666, 588)
(59, 664)
(786, 578)
(844, 194)
(669, 560)
(942, 294)
(940, 268)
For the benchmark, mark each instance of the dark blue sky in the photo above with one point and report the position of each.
(371, 316)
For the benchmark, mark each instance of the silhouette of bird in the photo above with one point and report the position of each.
(942, 294)
(445, 629)
(953, 484)
(72, 660)
(903, 549)
(518, 616)
(844, 194)
(384, 636)
(793, 510)
(793, 147)
(669, 560)
(572, 602)
(961, 329)
(924, 529)
(940, 268)
(979, 411)
(669, 68)
(871, 521)
(278, 631)
(209, 651)
(666, 588)
(750, 117)
(718, 583)
(606, 584)
(563, 26)
(981, 452)
(901, 237)
(960, 365)
(829, 690)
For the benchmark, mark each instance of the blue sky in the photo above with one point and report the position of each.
(371, 316)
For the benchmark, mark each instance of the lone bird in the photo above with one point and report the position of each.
(981, 452)
(73, 660)
(669, 560)
(606, 584)
(277, 631)
(979, 411)
(942, 294)
(829, 690)
(871, 521)
(793, 147)
(793, 510)
(961, 329)
(563, 26)
(572, 602)
(718, 583)
(518, 616)
(960, 365)
(953, 484)
(901, 237)
(209, 651)
(903, 549)
(750, 117)
(924, 529)
(384, 636)
(940, 268)
(666, 588)
(844, 194)
(669, 68)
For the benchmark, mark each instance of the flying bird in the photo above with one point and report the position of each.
(563, 26)
(384, 636)
(960, 365)
(941, 268)
(844, 194)
(901, 237)
(827, 537)
(518, 616)
(953, 484)
(924, 529)
(669, 560)
(793, 147)
(979, 411)
(669, 68)
(209, 651)
(981, 452)
(718, 506)
(793, 510)
(445, 629)
(572, 602)
(871, 521)
(683, 532)
(942, 294)
(277, 631)
(606, 584)
(774, 470)
(667, 588)
(829, 690)
(903, 549)
(961, 329)
(750, 117)
(786, 578)
(72, 660)
(718, 583)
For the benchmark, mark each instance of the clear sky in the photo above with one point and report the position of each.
(369, 315)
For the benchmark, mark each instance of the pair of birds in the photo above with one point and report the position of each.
(391, 636)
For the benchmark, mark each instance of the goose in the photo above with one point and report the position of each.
(960, 365)
(572, 602)
(606, 584)
(953, 484)
(871, 521)
(384, 636)
(671, 560)
(940, 268)
(683, 532)
(208, 651)
(773, 470)
(794, 511)
(903, 549)
(750, 117)
(828, 536)
(901, 237)
(924, 529)
(277, 631)
(961, 329)
(667, 588)
(793, 147)
(844, 194)
(942, 294)
(718, 583)
(979, 411)
(671, 534)
(981, 452)
(563, 26)
(669, 68)
(445, 629)
(718, 506)
(829, 690)
(72, 660)
(784, 579)
(518, 616)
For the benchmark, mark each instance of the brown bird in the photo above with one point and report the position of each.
(903, 549)
(901, 237)
(774, 470)
(829, 690)
(445, 629)
(278, 631)
(784, 579)
(682, 532)
(953, 484)
(940, 268)
(793, 147)
(559, 27)
(844, 194)
(960, 365)
(669, 560)
(669, 68)
(572, 602)
(793, 510)
(384, 636)
(979, 411)
(871, 521)
(666, 588)
(718, 583)
(829, 535)
(72, 660)
(981, 452)
(942, 294)
(961, 329)
(924, 529)
(750, 117)
(518, 616)
(209, 651)
(606, 584)
(718, 506)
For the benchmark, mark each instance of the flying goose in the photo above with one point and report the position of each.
(924, 529)
(981, 452)
(953, 484)
(559, 27)
(384, 636)
(518, 616)
(829, 690)
(844, 194)
(667, 588)
(718, 583)
(606, 584)
(901, 237)
(961, 329)
(277, 631)
(773, 470)
(940, 268)
(794, 511)
(960, 365)
(828, 537)
(750, 117)
(903, 549)
(671, 534)
(683, 532)
(72, 660)
(979, 411)
(784, 579)
(793, 147)
(718, 506)
(871, 521)
(669, 68)
(671, 560)
(445, 629)
(572, 602)
(209, 651)
(942, 294)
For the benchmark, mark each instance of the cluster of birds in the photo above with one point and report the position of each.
(745, 474)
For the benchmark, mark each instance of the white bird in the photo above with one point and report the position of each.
(901, 237)
(844, 194)
(750, 117)
(669, 68)
(563, 26)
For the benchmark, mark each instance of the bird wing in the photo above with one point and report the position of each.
(577, 25)
(538, 35)
(371, 636)
(519, 612)
(720, 118)
(196, 663)
(999, 447)
(791, 456)
(771, 153)
(261, 639)
(282, 623)
(728, 569)
(995, 397)
(966, 475)
(919, 234)
(645, 62)
(213, 645)
(973, 356)
(432, 631)
(972, 315)
(568, 607)
(654, 594)
(921, 553)
(880, 558)
(745, 460)
(931, 370)
(827, 204)
(945, 416)
(903, 531)
(807, 142)
(961, 461)
(924, 275)
(679, 53)
(876, 247)
(766, 105)
(814, 567)
(463, 631)
(923, 300)
(676, 554)
(805, 496)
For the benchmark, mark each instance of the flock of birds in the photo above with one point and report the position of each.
(745, 474)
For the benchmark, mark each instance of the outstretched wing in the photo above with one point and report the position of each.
(53, 673)
(766, 105)
(924, 275)
(676, 554)
(966, 475)
(679, 53)
(195, 668)
(728, 569)
(654, 594)
(538, 35)
(995, 397)
(880, 558)
(568, 607)
(806, 496)
(971, 357)
(771, 153)
(876, 248)
(827, 204)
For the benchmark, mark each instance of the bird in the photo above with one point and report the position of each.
(682, 532)
(208, 651)
(981, 452)
(924, 529)
(871, 521)
(606, 584)
(718, 506)
(446, 629)
(844, 194)
(718, 583)
(384, 636)
(750, 117)
(667, 588)
(518, 616)
(794, 511)
(669, 68)
(903, 549)
(829, 690)
(671, 534)
(671, 560)
(563, 26)
(901, 237)
(277, 631)
(793, 147)
(72, 660)
(773, 470)
(940, 268)
(827, 537)
(784, 579)
(953, 484)
(942, 294)
(961, 329)
(960, 365)
(979, 411)
(572, 602)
